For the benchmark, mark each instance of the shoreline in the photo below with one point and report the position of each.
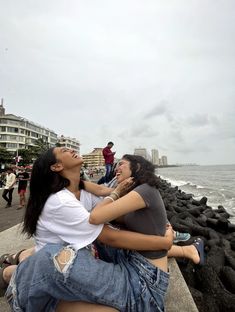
(212, 285)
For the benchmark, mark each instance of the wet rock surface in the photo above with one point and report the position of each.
(212, 285)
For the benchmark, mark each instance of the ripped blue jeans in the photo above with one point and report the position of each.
(131, 283)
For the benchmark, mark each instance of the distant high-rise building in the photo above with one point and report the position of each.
(164, 160)
(141, 152)
(155, 157)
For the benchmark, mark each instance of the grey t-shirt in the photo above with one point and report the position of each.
(149, 220)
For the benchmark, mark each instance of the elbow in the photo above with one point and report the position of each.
(94, 220)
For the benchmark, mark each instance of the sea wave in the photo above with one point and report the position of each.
(174, 182)
(217, 183)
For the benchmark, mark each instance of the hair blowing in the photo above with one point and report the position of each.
(43, 183)
(142, 171)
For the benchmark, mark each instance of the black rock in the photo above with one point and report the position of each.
(203, 200)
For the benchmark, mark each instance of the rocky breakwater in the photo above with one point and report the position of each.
(213, 284)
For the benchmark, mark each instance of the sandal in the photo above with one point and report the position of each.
(4, 259)
(199, 245)
(10, 259)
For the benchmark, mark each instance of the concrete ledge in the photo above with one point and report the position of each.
(12, 241)
(179, 298)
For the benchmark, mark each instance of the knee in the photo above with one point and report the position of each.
(64, 258)
(7, 273)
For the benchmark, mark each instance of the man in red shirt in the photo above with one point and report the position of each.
(108, 159)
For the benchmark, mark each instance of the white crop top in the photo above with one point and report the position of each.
(65, 219)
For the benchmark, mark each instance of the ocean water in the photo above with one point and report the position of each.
(217, 183)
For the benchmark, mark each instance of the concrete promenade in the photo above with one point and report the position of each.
(178, 298)
(10, 216)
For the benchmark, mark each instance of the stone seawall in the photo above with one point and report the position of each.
(212, 285)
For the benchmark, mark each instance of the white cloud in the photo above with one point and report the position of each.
(153, 74)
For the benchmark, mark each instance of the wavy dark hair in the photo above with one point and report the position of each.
(43, 183)
(142, 170)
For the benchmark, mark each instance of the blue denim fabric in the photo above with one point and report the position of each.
(154, 282)
(11, 295)
(133, 284)
(108, 168)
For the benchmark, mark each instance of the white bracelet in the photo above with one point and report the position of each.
(109, 197)
(115, 193)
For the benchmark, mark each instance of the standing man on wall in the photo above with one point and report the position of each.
(108, 159)
(9, 187)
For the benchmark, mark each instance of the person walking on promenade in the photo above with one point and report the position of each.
(108, 159)
(9, 187)
(22, 178)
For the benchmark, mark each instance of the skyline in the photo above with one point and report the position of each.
(157, 75)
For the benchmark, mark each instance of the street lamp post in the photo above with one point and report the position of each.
(17, 147)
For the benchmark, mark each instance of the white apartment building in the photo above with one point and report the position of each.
(69, 142)
(19, 133)
(155, 157)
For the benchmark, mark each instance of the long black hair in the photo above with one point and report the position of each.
(142, 170)
(43, 183)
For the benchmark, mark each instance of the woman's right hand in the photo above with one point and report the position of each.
(124, 187)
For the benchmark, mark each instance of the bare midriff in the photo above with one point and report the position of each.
(160, 263)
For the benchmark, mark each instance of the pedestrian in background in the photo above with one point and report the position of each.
(109, 160)
(9, 187)
(22, 178)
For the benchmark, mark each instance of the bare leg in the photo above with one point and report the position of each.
(66, 306)
(22, 200)
(190, 252)
(26, 253)
(7, 273)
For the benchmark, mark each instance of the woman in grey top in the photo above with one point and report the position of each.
(142, 209)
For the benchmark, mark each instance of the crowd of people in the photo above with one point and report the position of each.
(99, 246)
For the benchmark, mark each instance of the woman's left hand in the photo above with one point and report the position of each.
(169, 235)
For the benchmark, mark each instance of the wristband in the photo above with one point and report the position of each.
(109, 197)
(115, 193)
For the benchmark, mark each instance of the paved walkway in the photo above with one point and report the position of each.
(10, 216)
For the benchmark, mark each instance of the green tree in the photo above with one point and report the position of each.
(5, 156)
(30, 153)
(42, 145)
(27, 156)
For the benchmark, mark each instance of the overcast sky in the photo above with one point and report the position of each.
(154, 74)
